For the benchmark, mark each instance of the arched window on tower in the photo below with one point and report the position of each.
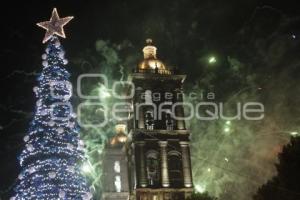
(149, 120)
(175, 169)
(153, 168)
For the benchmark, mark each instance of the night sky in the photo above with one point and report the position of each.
(185, 32)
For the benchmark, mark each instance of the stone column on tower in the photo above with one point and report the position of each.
(186, 164)
(164, 164)
(142, 167)
(141, 120)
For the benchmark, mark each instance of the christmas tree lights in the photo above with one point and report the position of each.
(53, 154)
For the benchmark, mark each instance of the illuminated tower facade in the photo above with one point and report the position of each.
(159, 153)
(115, 167)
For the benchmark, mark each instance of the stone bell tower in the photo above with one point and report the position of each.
(115, 178)
(159, 153)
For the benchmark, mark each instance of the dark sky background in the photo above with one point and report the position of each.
(181, 29)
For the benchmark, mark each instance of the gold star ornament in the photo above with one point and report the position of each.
(55, 26)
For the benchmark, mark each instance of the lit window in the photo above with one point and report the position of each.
(118, 184)
(117, 167)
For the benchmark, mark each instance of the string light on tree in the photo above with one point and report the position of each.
(50, 161)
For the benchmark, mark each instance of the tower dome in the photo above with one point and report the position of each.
(151, 63)
(120, 137)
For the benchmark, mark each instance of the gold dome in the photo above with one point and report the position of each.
(120, 136)
(150, 62)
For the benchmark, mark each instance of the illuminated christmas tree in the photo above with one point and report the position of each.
(53, 152)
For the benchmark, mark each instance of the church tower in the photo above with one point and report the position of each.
(159, 153)
(115, 168)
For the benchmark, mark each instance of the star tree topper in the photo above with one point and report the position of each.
(55, 26)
